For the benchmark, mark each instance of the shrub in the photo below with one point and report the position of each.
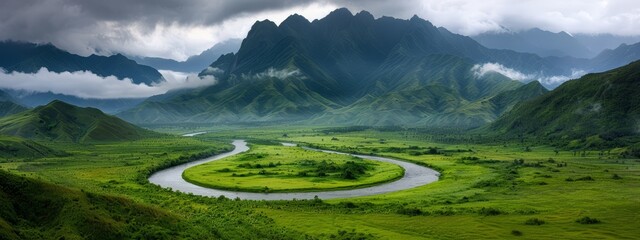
(410, 211)
(349, 204)
(534, 221)
(587, 178)
(516, 233)
(616, 177)
(587, 220)
(489, 211)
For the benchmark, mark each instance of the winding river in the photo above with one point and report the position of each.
(414, 176)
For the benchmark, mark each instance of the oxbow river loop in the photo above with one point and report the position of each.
(414, 176)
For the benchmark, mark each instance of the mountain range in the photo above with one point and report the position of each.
(537, 41)
(334, 67)
(30, 57)
(553, 44)
(194, 63)
(343, 69)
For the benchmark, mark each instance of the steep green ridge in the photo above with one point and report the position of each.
(64, 122)
(605, 103)
(30, 57)
(30, 209)
(334, 67)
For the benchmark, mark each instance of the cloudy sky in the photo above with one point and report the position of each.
(179, 28)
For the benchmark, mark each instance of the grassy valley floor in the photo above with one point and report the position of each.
(497, 189)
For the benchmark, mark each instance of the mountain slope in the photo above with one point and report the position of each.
(194, 63)
(432, 92)
(605, 103)
(8, 105)
(613, 58)
(338, 65)
(16, 147)
(30, 57)
(270, 99)
(31, 209)
(63, 122)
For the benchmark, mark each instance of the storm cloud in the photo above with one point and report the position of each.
(177, 28)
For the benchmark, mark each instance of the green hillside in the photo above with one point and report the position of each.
(439, 90)
(64, 122)
(607, 104)
(31, 209)
(16, 147)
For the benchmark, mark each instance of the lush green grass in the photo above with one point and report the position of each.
(31, 209)
(13, 148)
(118, 170)
(490, 179)
(273, 168)
(482, 194)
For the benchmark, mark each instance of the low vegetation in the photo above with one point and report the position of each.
(277, 168)
(486, 190)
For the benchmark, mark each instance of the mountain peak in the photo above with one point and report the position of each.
(262, 28)
(294, 20)
(340, 13)
(58, 104)
(264, 24)
(365, 15)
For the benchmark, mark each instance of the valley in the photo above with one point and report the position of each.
(319, 120)
(497, 187)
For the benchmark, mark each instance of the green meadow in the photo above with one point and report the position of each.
(274, 168)
(488, 189)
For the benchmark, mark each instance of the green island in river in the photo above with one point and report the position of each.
(276, 168)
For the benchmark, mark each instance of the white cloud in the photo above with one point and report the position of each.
(555, 81)
(212, 70)
(181, 80)
(470, 17)
(281, 74)
(85, 84)
(480, 70)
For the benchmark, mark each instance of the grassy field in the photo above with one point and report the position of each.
(514, 189)
(277, 168)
